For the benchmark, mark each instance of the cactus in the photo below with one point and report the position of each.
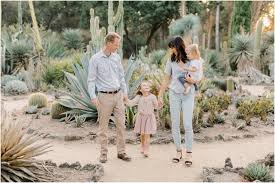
(119, 24)
(257, 42)
(111, 27)
(16, 87)
(57, 110)
(38, 99)
(97, 35)
(256, 171)
(229, 85)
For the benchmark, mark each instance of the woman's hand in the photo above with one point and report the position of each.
(160, 101)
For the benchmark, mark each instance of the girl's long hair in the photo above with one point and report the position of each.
(180, 47)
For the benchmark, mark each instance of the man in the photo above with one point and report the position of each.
(107, 76)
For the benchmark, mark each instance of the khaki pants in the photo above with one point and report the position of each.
(108, 104)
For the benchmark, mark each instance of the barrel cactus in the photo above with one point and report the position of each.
(57, 110)
(38, 99)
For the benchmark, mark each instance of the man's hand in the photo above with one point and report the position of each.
(95, 102)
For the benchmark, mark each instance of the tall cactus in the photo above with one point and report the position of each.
(118, 22)
(111, 27)
(20, 12)
(115, 24)
(97, 35)
(257, 43)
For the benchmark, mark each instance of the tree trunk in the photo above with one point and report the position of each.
(230, 13)
(255, 11)
(128, 39)
(152, 32)
(37, 38)
(20, 21)
(217, 37)
(210, 31)
(182, 8)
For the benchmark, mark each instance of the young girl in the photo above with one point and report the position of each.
(145, 120)
(195, 68)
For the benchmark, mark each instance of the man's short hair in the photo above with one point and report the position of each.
(110, 37)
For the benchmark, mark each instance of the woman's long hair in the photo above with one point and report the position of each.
(180, 47)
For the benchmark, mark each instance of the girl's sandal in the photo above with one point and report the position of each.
(188, 160)
(177, 159)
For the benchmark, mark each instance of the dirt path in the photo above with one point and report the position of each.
(158, 167)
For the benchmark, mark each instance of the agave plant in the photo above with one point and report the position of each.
(257, 171)
(18, 152)
(78, 99)
(54, 47)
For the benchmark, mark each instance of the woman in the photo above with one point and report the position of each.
(177, 100)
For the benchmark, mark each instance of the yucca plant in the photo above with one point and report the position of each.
(73, 39)
(257, 171)
(241, 53)
(18, 152)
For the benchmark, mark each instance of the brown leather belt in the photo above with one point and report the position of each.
(110, 92)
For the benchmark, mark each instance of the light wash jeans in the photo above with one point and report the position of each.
(185, 103)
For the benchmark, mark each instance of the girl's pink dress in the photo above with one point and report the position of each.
(145, 118)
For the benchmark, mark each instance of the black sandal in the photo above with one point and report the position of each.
(177, 160)
(188, 161)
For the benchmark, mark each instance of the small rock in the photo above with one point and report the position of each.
(76, 165)
(248, 136)
(98, 172)
(89, 167)
(206, 124)
(241, 125)
(45, 111)
(31, 110)
(30, 131)
(92, 135)
(112, 140)
(219, 137)
(162, 140)
(50, 163)
(228, 163)
(269, 159)
(235, 137)
(72, 138)
(64, 165)
(36, 116)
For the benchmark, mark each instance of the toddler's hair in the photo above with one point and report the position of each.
(139, 87)
(194, 48)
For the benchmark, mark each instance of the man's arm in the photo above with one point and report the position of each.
(122, 79)
(92, 78)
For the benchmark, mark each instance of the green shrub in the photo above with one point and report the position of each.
(258, 108)
(38, 99)
(16, 87)
(6, 78)
(73, 39)
(256, 171)
(216, 103)
(53, 72)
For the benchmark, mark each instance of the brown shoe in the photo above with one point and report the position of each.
(124, 157)
(103, 158)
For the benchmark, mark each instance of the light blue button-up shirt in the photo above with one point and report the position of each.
(105, 74)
